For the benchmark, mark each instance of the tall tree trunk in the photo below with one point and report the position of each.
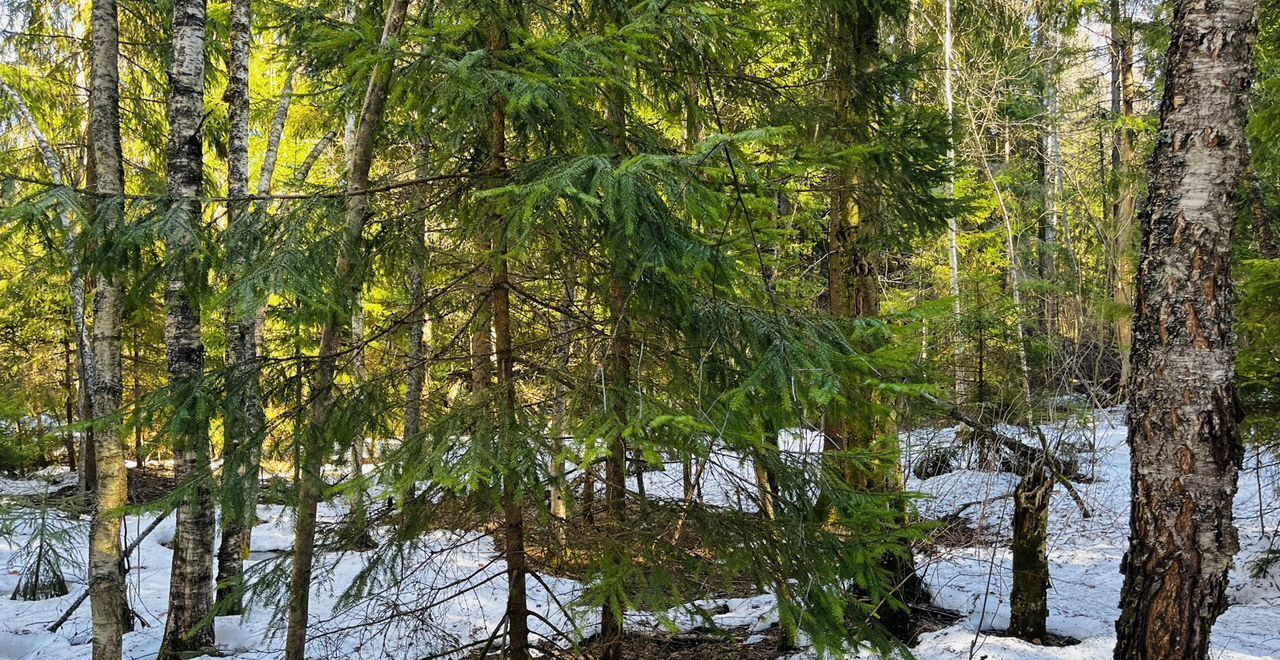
(1051, 160)
(960, 354)
(853, 289)
(191, 578)
(243, 418)
(346, 285)
(1184, 412)
(416, 359)
(517, 614)
(105, 388)
(618, 365)
(1122, 168)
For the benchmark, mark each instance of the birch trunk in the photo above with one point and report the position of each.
(244, 416)
(191, 579)
(559, 486)
(1184, 411)
(304, 171)
(953, 224)
(1051, 159)
(347, 284)
(105, 388)
(1122, 167)
(239, 414)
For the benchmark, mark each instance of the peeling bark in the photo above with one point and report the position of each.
(1029, 598)
(1184, 411)
(191, 579)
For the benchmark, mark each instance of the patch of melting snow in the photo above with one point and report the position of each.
(452, 588)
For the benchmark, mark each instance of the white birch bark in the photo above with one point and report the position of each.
(191, 577)
(106, 578)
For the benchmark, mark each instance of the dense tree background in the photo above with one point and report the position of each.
(489, 262)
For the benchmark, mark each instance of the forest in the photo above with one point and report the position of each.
(631, 329)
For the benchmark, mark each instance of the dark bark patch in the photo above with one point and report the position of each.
(1050, 639)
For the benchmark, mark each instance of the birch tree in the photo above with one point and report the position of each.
(106, 575)
(187, 629)
(1184, 411)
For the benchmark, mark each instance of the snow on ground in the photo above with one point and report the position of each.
(44, 482)
(1084, 557)
(451, 588)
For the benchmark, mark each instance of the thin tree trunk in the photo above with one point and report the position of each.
(559, 487)
(69, 403)
(618, 375)
(1184, 411)
(242, 352)
(347, 284)
(88, 477)
(1051, 159)
(139, 458)
(304, 170)
(415, 360)
(191, 578)
(1122, 161)
(106, 575)
(517, 613)
(358, 533)
(615, 467)
(244, 416)
(1266, 234)
(960, 354)
(275, 134)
